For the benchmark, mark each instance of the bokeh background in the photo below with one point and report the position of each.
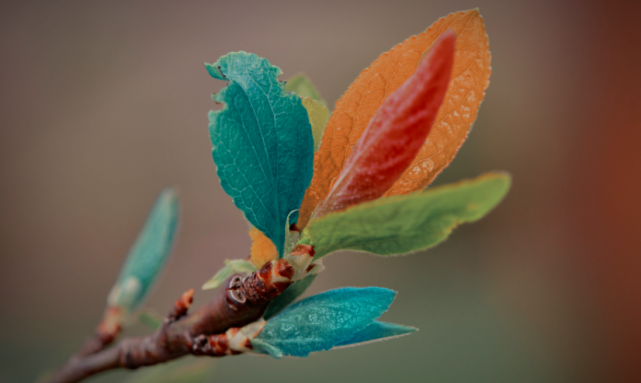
(102, 104)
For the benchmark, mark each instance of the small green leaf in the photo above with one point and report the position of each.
(303, 87)
(402, 224)
(151, 319)
(236, 266)
(187, 370)
(376, 332)
(149, 253)
(320, 322)
(288, 296)
(240, 266)
(219, 278)
(262, 143)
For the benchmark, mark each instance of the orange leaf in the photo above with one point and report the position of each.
(396, 132)
(263, 249)
(470, 77)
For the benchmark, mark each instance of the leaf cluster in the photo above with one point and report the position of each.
(352, 179)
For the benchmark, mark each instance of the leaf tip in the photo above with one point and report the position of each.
(170, 195)
(503, 180)
(266, 348)
(214, 71)
(208, 286)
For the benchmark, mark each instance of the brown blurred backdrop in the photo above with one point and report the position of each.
(102, 104)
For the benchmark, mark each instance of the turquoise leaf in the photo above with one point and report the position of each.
(322, 321)
(288, 296)
(377, 331)
(262, 143)
(149, 253)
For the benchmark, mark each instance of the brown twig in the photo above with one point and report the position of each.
(106, 332)
(203, 332)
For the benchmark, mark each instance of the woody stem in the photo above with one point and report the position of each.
(243, 301)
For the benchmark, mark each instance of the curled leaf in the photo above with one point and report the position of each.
(406, 223)
(262, 143)
(395, 134)
(354, 110)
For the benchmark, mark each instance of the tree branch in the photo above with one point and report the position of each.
(203, 332)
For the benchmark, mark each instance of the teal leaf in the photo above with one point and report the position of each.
(288, 296)
(376, 332)
(149, 253)
(262, 143)
(320, 322)
(406, 223)
(261, 347)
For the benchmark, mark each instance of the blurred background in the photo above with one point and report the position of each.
(102, 104)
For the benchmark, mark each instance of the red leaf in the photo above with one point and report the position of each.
(396, 132)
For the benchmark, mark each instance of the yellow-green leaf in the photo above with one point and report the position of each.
(303, 87)
(318, 115)
(402, 224)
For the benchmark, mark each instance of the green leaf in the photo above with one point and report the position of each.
(320, 322)
(236, 266)
(288, 296)
(149, 253)
(218, 279)
(401, 224)
(376, 332)
(187, 370)
(318, 115)
(240, 266)
(262, 143)
(303, 87)
(151, 319)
